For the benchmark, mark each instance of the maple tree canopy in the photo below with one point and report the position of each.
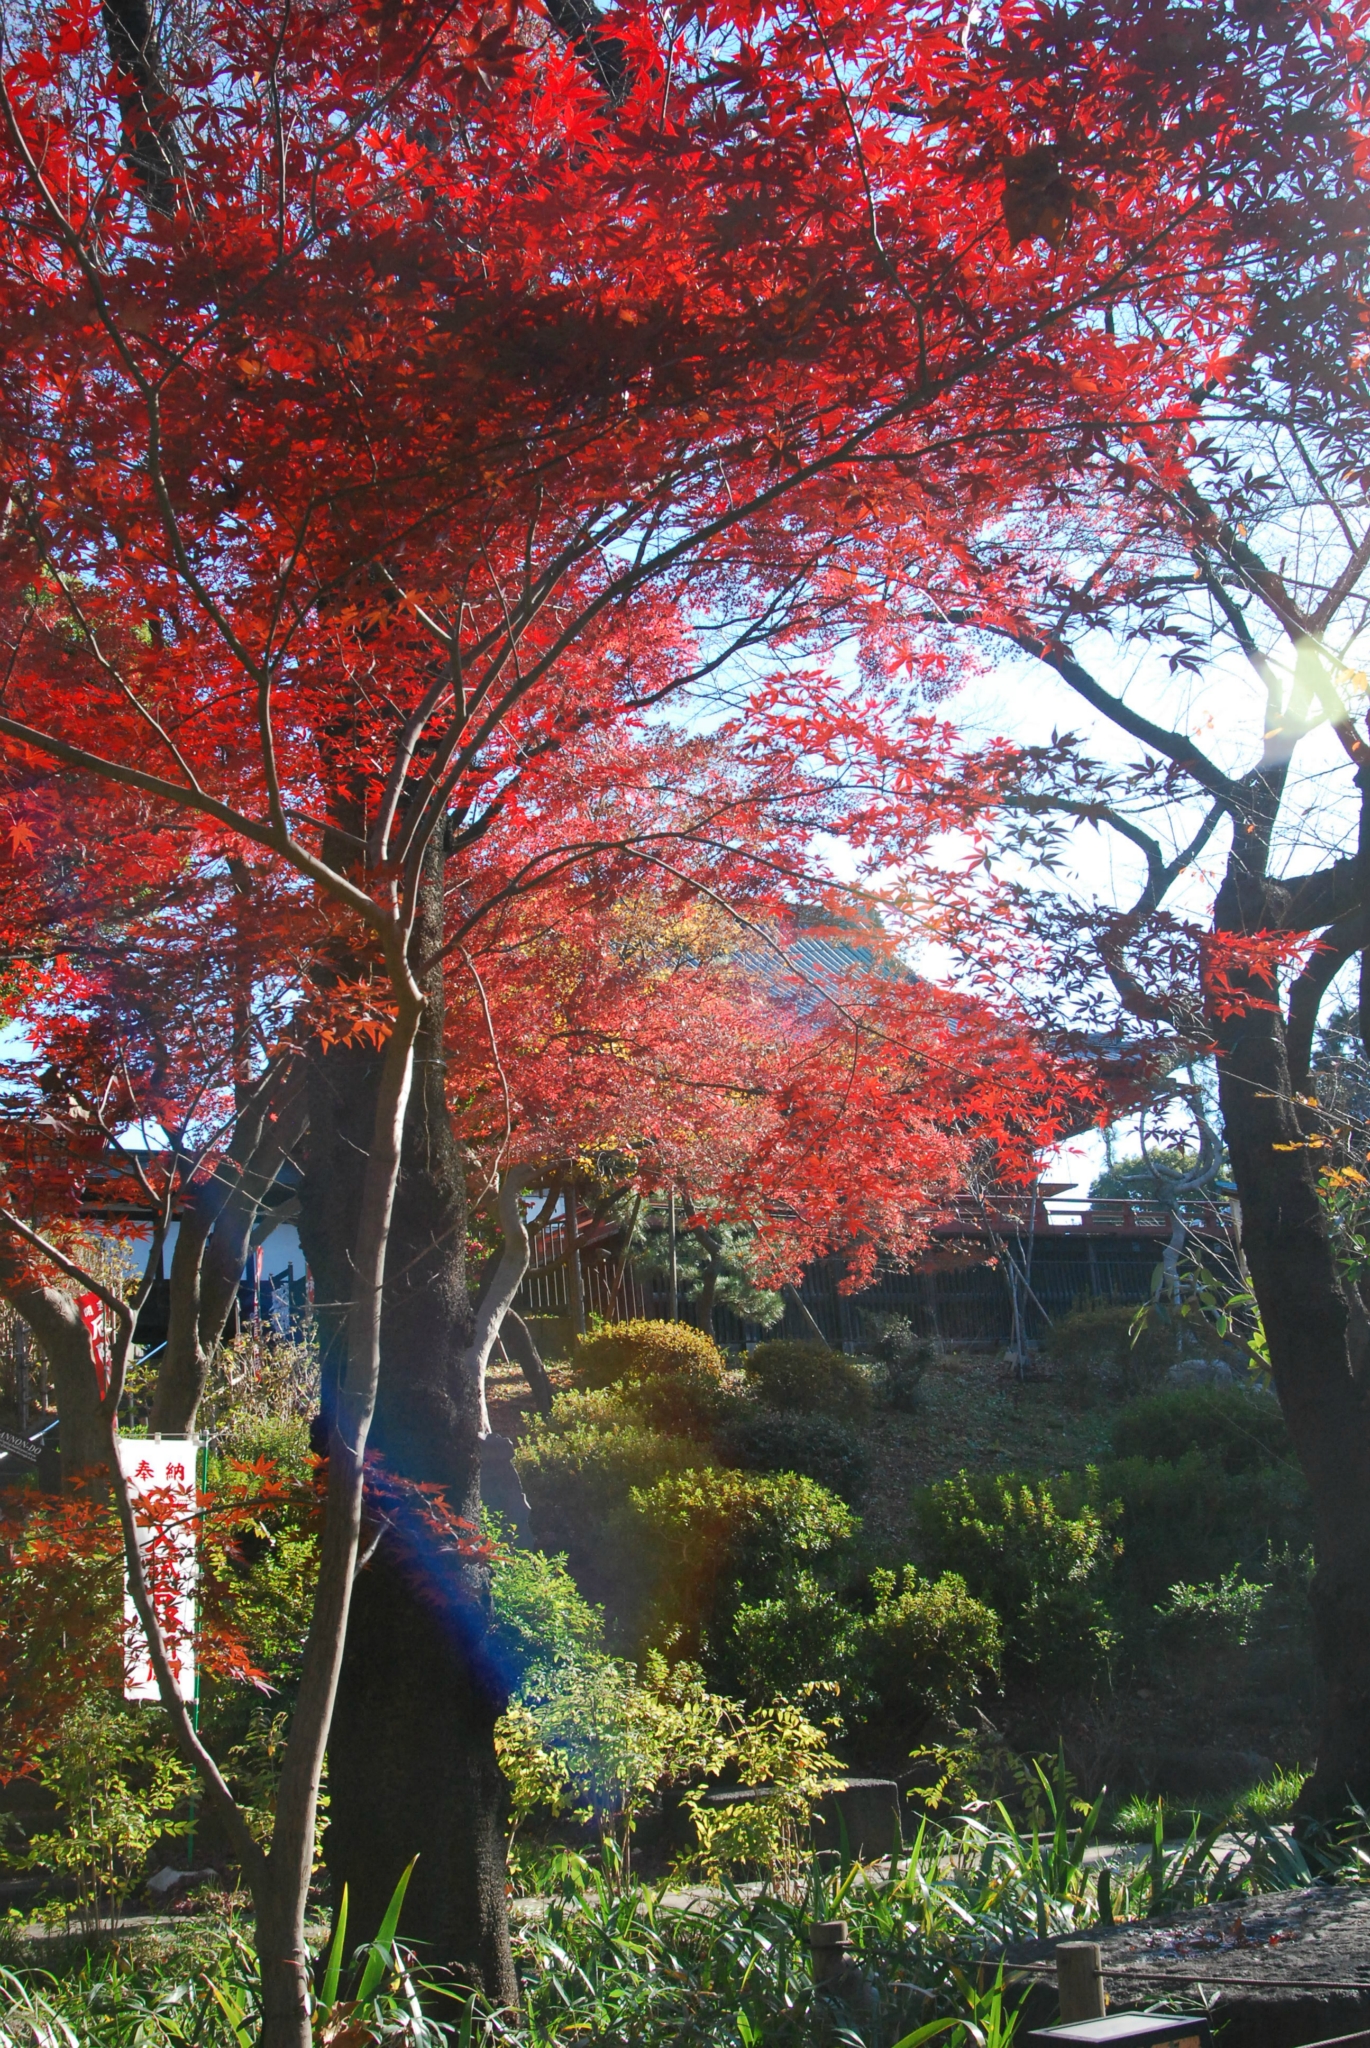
(399, 411)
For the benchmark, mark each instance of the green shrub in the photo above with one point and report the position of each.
(1097, 1342)
(119, 1785)
(580, 1463)
(808, 1634)
(807, 1377)
(904, 1359)
(690, 1402)
(1235, 1428)
(1188, 1519)
(819, 1446)
(1040, 1552)
(542, 1620)
(643, 1350)
(1226, 1609)
(709, 1542)
(901, 1385)
(928, 1647)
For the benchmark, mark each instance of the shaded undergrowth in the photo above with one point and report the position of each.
(606, 1961)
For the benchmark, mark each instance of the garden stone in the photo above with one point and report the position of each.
(870, 1812)
(168, 1884)
(500, 1487)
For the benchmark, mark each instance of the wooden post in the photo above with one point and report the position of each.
(673, 1285)
(21, 1373)
(573, 1256)
(622, 1267)
(828, 1945)
(1080, 1981)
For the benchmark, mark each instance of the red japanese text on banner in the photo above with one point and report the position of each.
(92, 1311)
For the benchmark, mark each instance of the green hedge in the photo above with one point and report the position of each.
(1236, 1428)
(819, 1446)
(807, 1378)
(643, 1350)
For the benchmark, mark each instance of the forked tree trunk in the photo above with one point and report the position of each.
(211, 1249)
(63, 1339)
(412, 1766)
(1296, 1282)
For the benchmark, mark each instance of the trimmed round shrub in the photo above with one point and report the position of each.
(580, 1463)
(580, 1466)
(1097, 1342)
(928, 1648)
(1039, 1553)
(642, 1350)
(709, 1542)
(690, 1402)
(821, 1447)
(805, 1635)
(807, 1378)
(1234, 1427)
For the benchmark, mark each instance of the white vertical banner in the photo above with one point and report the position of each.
(161, 1479)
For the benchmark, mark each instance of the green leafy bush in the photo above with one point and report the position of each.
(819, 1446)
(927, 1649)
(1098, 1342)
(807, 1378)
(808, 1634)
(904, 1359)
(1189, 1519)
(1227, 1608)
(119, 1786)
(1040, 1552)
(1236, 1428)
(690, 1402)
(542, 1619)
(708, 1542)
(619, 1735)
(579, 1466)
(643, 1350)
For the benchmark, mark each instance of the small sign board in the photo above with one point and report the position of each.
(1129, 2030)
(19, 1447)
(161, 1474)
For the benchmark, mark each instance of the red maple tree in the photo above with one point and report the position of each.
(401, 405)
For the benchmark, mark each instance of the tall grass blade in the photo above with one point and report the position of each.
(328, 1996)
(383, 1947)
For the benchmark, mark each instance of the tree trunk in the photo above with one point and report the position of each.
(1295, 1279)
(64, 1341)
(704, 1307)
(412, 1766)
(523, 1350)
(283, 1960)
(212, 1246)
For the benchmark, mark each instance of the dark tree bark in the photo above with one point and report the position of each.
(1304, 1307)
(518, 1339)
(1295, 1279)
(708, 1287)
(150, 147)
(411, 1760)
(64, 1341)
